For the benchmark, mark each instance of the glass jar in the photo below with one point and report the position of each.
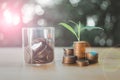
(38, 45)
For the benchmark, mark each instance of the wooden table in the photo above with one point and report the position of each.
(12, 67)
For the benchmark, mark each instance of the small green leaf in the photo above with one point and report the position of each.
(73, 22)
(79, 27)
(69, 28)
(89, 28)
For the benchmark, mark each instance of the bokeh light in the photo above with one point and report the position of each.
(90, 21)
(74, 2)
(42, 22)
(8, 16)
(39, 10)
(11, 18)
(27, 12)
(16, 20)
(45, 2)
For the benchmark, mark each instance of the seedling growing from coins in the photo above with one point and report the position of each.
(79, 27)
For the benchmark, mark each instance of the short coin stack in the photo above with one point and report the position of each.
(69, 57)
(92, 57)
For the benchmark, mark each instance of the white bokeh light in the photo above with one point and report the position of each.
(11, 18)
(74, 2)
(45, 2)
(28, 12)
(7, 16)
(16, 20)
(90, 21)
(39, 10)
(41, 22)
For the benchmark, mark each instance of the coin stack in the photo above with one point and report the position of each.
(79, 49)
(69, 57)
(92, 57)
(82, 62)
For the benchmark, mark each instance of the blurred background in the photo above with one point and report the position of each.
(16, 14)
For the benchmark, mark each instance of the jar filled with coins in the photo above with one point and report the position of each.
(38, 45)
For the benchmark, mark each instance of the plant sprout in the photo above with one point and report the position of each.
(79, 28)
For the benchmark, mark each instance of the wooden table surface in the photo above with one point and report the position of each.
(12, 67)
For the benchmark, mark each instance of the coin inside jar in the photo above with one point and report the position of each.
(41, 53)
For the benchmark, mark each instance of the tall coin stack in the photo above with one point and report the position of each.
(79, 51)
